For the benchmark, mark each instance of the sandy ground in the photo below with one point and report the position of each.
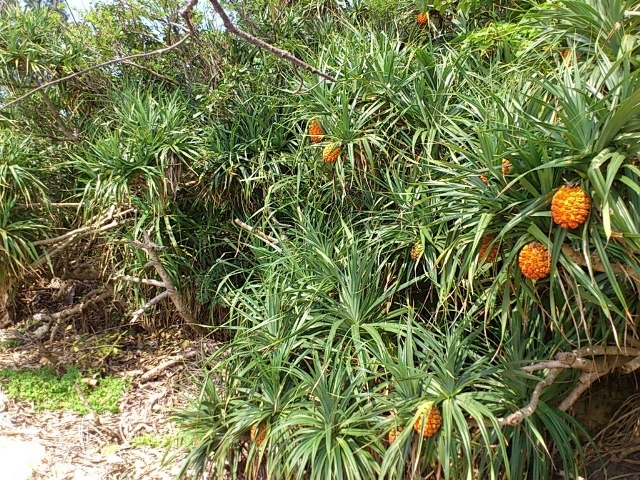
(65, 445)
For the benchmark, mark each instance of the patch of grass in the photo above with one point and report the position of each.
(47, 392)
(13, 343)
(149, 440)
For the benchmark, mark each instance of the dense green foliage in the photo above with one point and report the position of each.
(335, 334)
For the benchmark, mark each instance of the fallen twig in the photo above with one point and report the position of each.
(155, 371)
(94, 416)
(91, 298)
(631, 365)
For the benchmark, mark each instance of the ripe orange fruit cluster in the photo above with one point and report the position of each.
(570, 206)
(484, 245)
(432, 422)
(506, 166)
(316, 133)
(416, 251)
(534, 261)
(331, 152)
(258, 433)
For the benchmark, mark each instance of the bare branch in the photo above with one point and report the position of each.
(146, 281)
(92, 227)
(578, 364)
(631, 365)
(266, 238)
(584, 382)
(91, 298)
(172, 292)
(228, 24)
(608, 359)
(154, 372)
(56, 205)
(54, 251)
(516, 418)
(158, 298)
(69, 135)
(597, 265)
(150, 71)
(185, 13)
(634, 342)
(160, 51)
(604, 350)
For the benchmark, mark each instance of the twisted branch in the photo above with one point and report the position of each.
(171, 291)
(231, 28)
(516, 418)
(625, 358)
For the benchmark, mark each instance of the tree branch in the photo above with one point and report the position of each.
(146, 281)
(185, 13)
(516, 418)
(266, 238)
(93, 227)
(228, 24)
(69, 135)
(609, 359)
(171, 291)
(597, 265)
(601, 367)
(95, 67)
(53, 204)
(150, 71)
(158, 298)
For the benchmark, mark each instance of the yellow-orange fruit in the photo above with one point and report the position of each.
(258, 433)
(535, 261)
(331, 152)
(484, 179)
(315, 131)
(430, 417)
(393, 434)
(422, 19)
(506, 166)
(484, 245)
(416, 251)
(570, 206)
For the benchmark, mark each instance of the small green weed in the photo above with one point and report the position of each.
(10, 344)
(47, 392)
(149, 440)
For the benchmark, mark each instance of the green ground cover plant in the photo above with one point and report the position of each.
(46, 391)
(150, 440)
